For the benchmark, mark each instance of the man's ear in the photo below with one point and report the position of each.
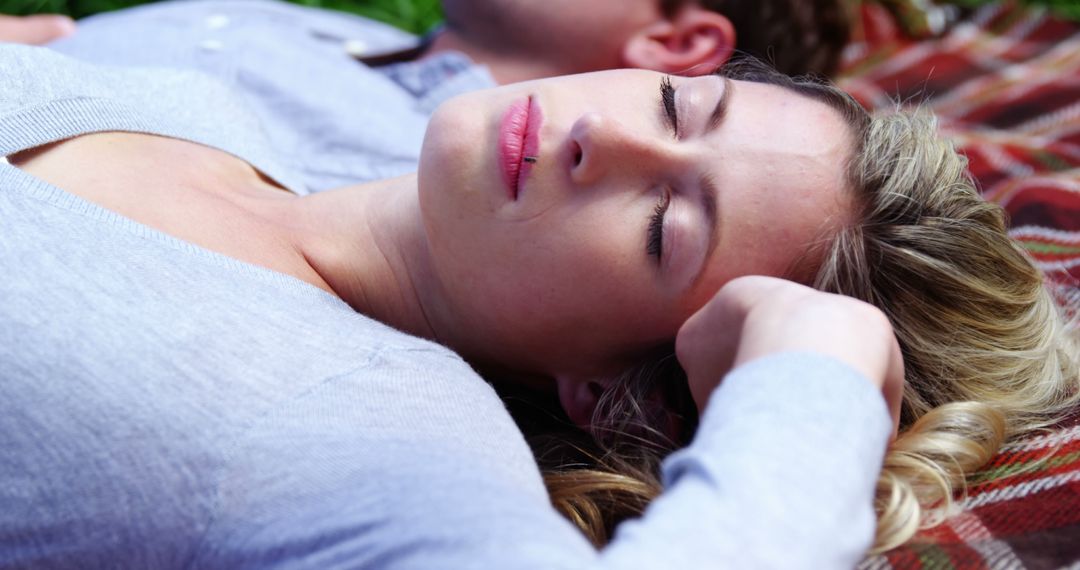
(695, 41)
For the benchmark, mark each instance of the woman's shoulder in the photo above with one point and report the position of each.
(47, 97)
(38, 74)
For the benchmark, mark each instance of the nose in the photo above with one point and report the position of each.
(602, 146)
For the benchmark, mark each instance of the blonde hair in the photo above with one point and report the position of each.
(987, 352)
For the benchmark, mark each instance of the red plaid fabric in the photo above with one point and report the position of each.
(1005, 83)
(1023, 511)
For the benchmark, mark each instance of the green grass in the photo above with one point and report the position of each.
(1069, 9)
(417, 16)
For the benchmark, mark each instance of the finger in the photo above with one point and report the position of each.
(38, 29)
(707, 343)
(743, 293)
(727, 309)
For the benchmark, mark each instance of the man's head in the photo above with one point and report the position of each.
(797, 37)
(686, 37)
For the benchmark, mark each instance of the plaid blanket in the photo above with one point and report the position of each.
(1005, 82)
(1022, 511)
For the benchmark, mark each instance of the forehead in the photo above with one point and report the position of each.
(781, 161)
(788, 123)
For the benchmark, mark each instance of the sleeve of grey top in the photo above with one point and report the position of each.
(780, 475)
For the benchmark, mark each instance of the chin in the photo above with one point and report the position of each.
(459, 175)
(445, 154)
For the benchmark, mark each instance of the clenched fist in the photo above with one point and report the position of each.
(755, 316)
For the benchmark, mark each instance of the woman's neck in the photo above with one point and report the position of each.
(368, 243)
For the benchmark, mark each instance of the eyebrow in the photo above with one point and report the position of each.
(708, 203)
(720, 111)
(707, 183)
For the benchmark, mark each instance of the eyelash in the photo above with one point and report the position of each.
(655, 243)
(667, 101)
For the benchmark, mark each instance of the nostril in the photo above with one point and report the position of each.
(577, 153)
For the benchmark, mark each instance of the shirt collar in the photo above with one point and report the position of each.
(438, 77)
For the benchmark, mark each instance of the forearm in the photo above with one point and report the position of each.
(780, 475)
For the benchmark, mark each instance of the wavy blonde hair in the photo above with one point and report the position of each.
(987, 352)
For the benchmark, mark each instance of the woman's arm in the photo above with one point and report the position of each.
(755, 316)
(781, 473)
(782, 470)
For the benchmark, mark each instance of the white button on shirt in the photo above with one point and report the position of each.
(356, 48)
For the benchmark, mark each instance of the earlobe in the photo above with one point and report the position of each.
(695, 41)
(579, 398)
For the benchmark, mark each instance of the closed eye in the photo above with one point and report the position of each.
(655, 243)
(667, 100)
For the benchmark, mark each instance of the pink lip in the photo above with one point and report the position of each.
(519, 137)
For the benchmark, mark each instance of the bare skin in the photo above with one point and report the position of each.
(521, 40)
(37, 29)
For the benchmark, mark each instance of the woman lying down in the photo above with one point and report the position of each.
(203, 367)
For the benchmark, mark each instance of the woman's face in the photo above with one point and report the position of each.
(643, 200)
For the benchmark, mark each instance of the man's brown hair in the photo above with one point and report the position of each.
(798, 37)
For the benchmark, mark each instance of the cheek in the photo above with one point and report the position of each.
(574, 276)
(585, 283)
(457, 159)
(570, 264)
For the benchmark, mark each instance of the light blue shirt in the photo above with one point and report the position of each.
(333, 119)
